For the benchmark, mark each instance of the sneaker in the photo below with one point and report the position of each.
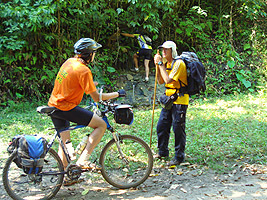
(146, 79)
(134, 69)
(175, 162)
(89, 165)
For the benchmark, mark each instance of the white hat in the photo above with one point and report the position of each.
(170, 44)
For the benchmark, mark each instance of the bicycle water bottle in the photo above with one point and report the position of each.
(96, 110)
(70, 150)
(82, 145)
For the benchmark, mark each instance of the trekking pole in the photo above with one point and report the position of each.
(155, 89)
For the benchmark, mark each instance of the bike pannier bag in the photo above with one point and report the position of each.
(31, 153)
(123, 114)
(13, 147)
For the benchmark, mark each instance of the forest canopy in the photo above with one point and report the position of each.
(38, 36)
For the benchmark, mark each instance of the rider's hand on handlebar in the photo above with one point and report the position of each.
(122, 93)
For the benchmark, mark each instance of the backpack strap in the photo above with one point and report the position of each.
(174, 60)
(171, 69)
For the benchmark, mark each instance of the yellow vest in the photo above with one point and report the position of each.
(178, 72)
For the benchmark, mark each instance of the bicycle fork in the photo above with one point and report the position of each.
(116, 138)
(118, 141)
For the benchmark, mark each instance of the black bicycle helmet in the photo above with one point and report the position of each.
(85, 46)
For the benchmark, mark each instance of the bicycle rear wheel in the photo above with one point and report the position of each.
(131, 171)
(42, 186)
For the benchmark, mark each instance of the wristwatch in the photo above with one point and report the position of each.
(160, 63)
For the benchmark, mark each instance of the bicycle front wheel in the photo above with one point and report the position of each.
(129, 168)
(42, 186)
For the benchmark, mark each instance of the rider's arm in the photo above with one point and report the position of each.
(105, 96)
(127, 34)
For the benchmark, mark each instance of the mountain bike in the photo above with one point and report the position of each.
(126, 161)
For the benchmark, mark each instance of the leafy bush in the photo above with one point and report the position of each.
(37, 36)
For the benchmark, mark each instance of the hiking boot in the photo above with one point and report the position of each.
(174, 161)
(157, 156)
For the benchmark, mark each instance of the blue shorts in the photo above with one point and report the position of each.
(61, 119)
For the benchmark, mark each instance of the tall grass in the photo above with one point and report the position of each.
(220, 131)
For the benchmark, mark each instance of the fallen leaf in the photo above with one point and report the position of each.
(85, 192)
(193, 166)
(173, 187)
(234, 171)
(209, 195)
(185, 164)
(179, 173)
(182, 189)
(151, 175)
(200, 186)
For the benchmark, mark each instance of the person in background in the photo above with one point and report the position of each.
(176, 116)
(73, 80)
(145, 51)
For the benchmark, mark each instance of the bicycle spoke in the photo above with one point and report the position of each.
(130, 171)
(41, 186)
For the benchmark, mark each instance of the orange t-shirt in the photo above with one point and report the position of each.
(72, 81)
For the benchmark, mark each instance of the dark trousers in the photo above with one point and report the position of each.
(175, 118)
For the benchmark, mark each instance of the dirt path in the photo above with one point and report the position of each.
(184, 182)
(245, 182)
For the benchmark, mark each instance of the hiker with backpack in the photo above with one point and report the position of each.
(172, 72)
(145, 50)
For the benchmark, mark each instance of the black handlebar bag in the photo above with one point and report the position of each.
(123, 114)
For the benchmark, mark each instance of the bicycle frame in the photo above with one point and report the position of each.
(57, 135)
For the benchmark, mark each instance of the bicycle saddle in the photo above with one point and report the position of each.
(45, 109)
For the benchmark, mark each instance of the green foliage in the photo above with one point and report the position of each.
(103, 70)
(38, 36)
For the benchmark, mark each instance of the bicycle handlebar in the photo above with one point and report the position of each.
(103, 107)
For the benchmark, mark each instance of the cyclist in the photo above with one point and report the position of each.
(73, 80)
